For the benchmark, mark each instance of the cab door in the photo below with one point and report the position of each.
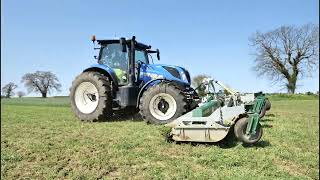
(142, 64)
(113, 57)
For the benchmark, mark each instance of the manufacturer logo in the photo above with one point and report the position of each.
(153, 76)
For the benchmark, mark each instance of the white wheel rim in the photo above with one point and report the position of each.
(171, 106)
(86, 97)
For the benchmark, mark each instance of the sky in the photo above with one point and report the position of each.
(206, 37)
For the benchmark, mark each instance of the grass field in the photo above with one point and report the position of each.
(41, 139)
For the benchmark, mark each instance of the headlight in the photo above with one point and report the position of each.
(184, 76)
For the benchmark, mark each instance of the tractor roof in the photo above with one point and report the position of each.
(108, 41)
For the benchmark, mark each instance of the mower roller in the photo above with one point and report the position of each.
(212, 121)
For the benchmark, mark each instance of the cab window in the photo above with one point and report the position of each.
(140, 55)
(112, 56)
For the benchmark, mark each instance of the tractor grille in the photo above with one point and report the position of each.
(173, 71)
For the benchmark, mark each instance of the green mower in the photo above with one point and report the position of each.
(213, 119)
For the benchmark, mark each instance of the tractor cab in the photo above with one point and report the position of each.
(118, 55)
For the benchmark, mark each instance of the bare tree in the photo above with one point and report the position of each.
(21, 93)
(287, 53)
(8, 89)
(196, 81)
(41, 81)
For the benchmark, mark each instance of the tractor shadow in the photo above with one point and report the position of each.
(260, 144)
(118, 118)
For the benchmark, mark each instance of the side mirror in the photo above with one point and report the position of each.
(158, 54)
(123, 44)
(93, 38)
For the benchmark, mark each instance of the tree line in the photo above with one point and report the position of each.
(283, 55)
(43, 82)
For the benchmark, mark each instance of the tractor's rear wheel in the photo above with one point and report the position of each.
(90, 96)
(162, 103)
(240, 131)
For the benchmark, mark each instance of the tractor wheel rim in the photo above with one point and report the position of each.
(86, 97)
(163, 106)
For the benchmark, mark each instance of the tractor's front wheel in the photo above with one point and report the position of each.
(90, 96)
(162, 103)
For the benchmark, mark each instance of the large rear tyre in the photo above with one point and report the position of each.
(162, 103)
(240, 132)
(90, 96)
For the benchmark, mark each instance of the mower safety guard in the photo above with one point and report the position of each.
(252, 124)
(254, 111)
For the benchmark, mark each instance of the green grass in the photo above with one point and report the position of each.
(37, 101)
(277, 97)
(41, 139)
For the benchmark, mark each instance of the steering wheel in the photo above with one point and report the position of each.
(139, 61)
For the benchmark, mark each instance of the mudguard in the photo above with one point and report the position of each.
(104, 69)
(146, 85)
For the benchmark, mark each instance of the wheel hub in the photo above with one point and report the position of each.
(86, 97)
(163, 106)
(92, 97)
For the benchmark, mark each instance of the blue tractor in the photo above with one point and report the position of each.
(125, 81)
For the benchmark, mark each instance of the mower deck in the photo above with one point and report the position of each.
(205, 129)
(212, 121)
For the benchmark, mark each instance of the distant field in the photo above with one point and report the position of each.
(278, 97)
(37, 101)
(41, 139)
(64, 100)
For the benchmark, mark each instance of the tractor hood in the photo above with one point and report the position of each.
(169, 72)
